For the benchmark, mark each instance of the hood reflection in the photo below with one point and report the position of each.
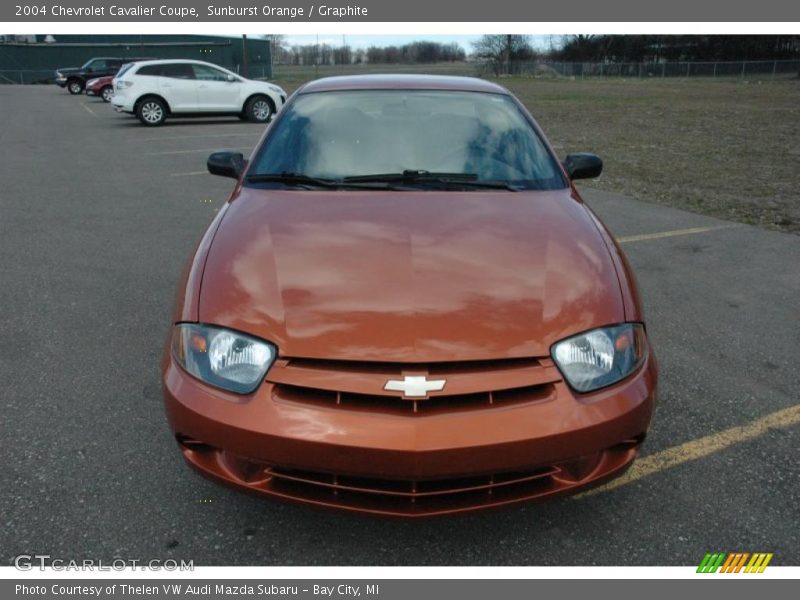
(411, 276)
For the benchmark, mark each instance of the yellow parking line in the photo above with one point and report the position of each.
(89, 110)
(700, 448)
(675, 232)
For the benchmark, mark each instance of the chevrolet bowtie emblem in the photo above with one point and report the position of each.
(415, 386)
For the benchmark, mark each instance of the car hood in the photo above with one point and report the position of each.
(267, 87)
(68, 70)
(409, 276)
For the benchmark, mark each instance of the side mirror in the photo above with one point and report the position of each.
(226, 164)
(231, 78)
(583, 165)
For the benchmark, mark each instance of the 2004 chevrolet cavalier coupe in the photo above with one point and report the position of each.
(405, 308)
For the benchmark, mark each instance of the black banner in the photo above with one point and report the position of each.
(305, 11)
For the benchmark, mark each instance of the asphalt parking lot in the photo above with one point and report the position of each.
(97, 217)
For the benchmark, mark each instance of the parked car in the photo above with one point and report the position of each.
(156, 90)
(405, 308)
(102, 87)
(74, 78)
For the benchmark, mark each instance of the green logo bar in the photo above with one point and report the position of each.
(703, 563)
(711, 562)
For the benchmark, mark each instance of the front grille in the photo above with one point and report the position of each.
(407, 489)
(359, 386)
(411, 498)
(437, 404)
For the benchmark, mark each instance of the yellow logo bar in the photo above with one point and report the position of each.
(758, 563)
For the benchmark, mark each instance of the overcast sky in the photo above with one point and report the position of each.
(540, 42)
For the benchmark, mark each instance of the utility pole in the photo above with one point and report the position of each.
(244, 54)
(508, 54)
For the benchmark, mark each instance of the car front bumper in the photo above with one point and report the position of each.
(121, 103)
(415, 464)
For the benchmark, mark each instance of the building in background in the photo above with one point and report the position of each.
(34, 58)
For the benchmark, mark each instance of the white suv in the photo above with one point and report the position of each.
(156, 89)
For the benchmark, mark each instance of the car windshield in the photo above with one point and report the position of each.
(373, 135)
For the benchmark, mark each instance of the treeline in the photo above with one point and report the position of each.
(325, 54)
(656, 48)
(505, 53)
(317, 54)
(416, 52)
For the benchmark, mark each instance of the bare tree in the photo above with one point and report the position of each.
(278, 47)
(501, 51)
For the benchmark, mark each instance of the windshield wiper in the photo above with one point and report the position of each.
(382, 181)
(490, 184)
(309, 182)
(410, 176)
(292, 179)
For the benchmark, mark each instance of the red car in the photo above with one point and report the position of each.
(405, 308)
(101, 87)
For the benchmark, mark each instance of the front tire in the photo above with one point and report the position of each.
(75, 86)
(107, 93)
(151, 112)
(258, 109)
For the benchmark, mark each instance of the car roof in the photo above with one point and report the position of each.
(124, 59)
(402, 82)
(162, 61)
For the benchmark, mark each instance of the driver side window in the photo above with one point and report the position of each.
(204, 73)
(177, 71)
(98, 65)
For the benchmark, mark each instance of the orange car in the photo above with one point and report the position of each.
(405, 308)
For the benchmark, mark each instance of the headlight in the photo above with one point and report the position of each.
(600, 357)
(121, 84)
(276, 89)
(227, 359)
(91, 82)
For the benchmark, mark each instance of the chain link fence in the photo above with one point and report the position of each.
(25, 76)
(763, 69)
(769, 69)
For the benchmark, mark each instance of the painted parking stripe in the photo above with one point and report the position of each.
(189, 173)
(700, 448)
(89, 110)
(675, 232)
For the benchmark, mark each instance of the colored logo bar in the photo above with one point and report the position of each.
(734, 562)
